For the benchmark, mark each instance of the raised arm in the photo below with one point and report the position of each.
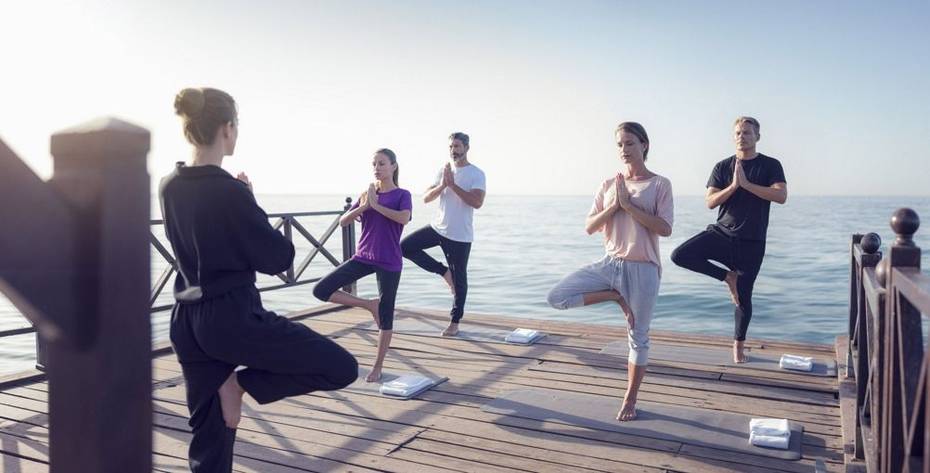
(596, 221)
(777, 192)
(717, 196)
(350, 216)
(473, 198)
(432, 193)
(401, 216)
(267, 250)
(653, 223)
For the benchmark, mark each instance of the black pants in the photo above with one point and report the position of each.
(744, 257)
(282, 358)
(352, 271)
(456, 253)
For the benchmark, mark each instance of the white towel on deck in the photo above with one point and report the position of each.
(770, 427)
(521, 335)
(772, 433)
(796, 362)
(769, 441)
(405, 385)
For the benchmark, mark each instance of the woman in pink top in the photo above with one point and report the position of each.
(633, 209)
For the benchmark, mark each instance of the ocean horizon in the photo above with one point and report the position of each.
(525, 243)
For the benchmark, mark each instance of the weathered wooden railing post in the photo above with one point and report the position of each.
(289, 234)
(348, 245)
(863, 254)
(903, 347)
(75, 262)
(100, 407)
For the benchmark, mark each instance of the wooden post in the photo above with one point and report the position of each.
(289, 234)
(348, 246)
(854, 283)
(903, 341)
(864, 255)
(100, 406)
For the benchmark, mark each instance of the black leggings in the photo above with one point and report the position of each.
(456, 257)
(352, 271)
(742, 256)
(282, 358)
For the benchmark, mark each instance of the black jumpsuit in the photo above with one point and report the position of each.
(221, 237)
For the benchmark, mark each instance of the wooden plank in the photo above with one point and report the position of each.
(593, 374)
(559, 459)
(19, 447)
(479, 459)
(444, 429)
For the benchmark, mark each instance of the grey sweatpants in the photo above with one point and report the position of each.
(637, 282)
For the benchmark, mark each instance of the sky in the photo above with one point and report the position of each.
(842, 89)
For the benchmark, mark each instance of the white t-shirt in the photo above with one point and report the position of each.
(454, 220)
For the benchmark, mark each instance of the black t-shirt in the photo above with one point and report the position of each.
(745, 215)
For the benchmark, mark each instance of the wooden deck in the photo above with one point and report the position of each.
(445, 429)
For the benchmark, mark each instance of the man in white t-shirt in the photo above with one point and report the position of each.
(460, 187)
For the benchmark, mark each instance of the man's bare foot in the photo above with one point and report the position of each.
(448, 277)
(231, 400)
(627, 410)
(373, 308)
(451, 331)
(738, 355)
(628, 313)
(375, 375)
(731, 284)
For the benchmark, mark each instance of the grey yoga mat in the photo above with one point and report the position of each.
(723, 356)
(432, 328)
(374, 389)
(688, 425)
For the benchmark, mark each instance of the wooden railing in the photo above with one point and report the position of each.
(290, 278)
(289, 224)
(888, 357)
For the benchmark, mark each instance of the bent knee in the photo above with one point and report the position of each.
(678, 256)
(321, 293)
(347, 373)
(557, 300)
(405, 247)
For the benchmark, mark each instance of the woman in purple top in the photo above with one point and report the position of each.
(383, 210)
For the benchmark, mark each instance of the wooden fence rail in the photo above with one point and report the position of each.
(888, 352)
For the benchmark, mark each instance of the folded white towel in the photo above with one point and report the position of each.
(405, 385)
(796, 362)
(521, 335)
(769, 427)
(769, 441)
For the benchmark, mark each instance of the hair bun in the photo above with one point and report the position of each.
(189, 103)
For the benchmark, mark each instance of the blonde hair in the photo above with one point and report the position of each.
(752, 121)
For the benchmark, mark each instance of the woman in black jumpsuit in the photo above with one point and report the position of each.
(221, 237)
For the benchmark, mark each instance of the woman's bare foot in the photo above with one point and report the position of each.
(231, 400)
(627, 410)
(448, 277)
(373, 308)
(738, 355)
(375, 375)
(628, 313)
(451, 331)
(731, 284)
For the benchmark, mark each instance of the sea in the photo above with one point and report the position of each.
(525, 244)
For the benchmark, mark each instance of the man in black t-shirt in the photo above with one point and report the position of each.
(743, 186)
